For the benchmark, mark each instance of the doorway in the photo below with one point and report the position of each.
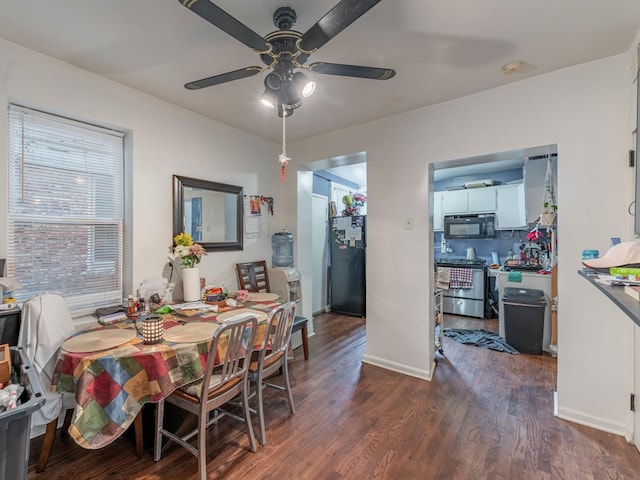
(519, 176)
(345, 174)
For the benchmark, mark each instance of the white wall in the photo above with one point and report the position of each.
(582, 109)
(167, 140)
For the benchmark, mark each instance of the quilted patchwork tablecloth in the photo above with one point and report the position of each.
(111, 386)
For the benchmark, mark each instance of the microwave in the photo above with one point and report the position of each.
(469, 226)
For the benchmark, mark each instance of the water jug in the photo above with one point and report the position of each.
(282, 244)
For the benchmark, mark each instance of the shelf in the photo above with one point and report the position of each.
(616, 294)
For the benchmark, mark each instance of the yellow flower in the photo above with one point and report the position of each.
(183, 239)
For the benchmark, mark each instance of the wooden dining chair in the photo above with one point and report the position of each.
(272, 358)
(254, 277)
(221, 383)
(46, 323)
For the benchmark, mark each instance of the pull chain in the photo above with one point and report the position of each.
(283, 157)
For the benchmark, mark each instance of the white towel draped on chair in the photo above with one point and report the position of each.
(46, 324)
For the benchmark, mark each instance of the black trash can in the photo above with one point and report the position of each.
(524, 319)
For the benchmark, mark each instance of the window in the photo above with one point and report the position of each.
(65, 209)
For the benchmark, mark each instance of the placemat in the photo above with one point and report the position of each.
(190, 332)
(262, 297)
(98, 340)
(233, 314)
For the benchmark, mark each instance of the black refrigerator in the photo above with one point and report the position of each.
(348, 250)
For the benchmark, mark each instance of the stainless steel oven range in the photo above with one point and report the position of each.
(465, 301)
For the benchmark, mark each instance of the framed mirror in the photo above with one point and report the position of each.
(210, 212)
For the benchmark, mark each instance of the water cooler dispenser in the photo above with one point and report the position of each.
(282, 245)
(284, 279)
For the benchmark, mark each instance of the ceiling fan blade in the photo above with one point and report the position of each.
(225, 22)
(337, 19)
(374, 73)
(223, 78)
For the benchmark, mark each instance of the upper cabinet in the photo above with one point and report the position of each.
(510, 211)
(506, 201)
(475, 200)
(454, 202)
(482, 200)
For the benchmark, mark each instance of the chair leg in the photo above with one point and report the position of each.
(157, 442)
(202, 445)
(247, 413)
(47, 445)
(305, 342)
(287, 386)
(137, 425)
(67, 423)
(260, 409)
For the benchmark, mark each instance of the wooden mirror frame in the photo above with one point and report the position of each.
(179, 183)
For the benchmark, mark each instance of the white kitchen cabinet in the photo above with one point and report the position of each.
(510, 208)
(475, 200)
(454, 202)
(437, 212)
(481, 200)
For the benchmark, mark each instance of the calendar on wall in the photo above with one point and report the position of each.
(254, 206)
(252, 217)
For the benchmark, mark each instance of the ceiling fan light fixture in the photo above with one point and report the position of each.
(290, 96)
(269, 98)
(273, 81)
(305, 86)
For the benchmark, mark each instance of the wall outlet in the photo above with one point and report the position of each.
(408, 223)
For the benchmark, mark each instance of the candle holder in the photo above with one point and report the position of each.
(152, 328)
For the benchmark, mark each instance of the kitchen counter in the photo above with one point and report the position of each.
(616, 294)
(493, 272)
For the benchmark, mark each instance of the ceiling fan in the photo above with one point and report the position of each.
(285, 51)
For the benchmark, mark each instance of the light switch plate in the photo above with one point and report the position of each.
(408, 223)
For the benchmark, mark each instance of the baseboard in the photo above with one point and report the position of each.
(591, 421)
(398, 367)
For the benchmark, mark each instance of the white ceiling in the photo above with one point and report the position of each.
(441, 50)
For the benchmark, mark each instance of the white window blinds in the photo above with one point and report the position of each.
(65, 209)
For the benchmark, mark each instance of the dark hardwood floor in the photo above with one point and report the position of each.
(485, 415)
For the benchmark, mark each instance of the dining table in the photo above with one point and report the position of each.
(111, 382)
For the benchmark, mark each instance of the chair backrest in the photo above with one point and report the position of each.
(278, 333)
(253, 276)
(230, 345)
(46, 323)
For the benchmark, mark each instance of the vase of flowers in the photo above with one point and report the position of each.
(190, 255)
(353, 204)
